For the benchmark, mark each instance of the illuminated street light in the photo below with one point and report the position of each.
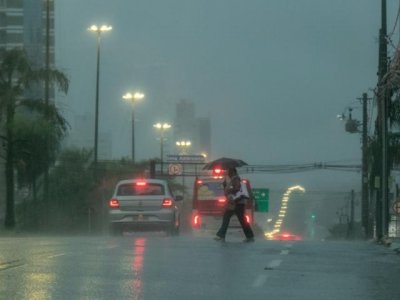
(183, 145)
(98, 31)
(132, 98)
(162, 127)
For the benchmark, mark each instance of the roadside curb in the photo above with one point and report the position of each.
(391, 243)
(395, 246)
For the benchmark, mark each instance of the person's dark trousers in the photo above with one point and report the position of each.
(239, 211)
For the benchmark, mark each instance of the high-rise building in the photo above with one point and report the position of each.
(203, 133)
(185, 124)
(188, 127)
(11, 24)
(23, 24)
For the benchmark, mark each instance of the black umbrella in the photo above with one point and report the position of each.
(224, 163)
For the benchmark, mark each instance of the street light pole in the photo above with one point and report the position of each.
(98, 31)
(96, 120)
(132, 98)
(162, 127)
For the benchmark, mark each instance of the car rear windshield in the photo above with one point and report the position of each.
(133, 189)
(210, 190)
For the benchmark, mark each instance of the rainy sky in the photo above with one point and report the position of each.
(272, 75)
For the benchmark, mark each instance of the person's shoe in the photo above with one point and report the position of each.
(249, 240)
(218, 238)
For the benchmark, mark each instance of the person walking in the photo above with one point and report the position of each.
(236, 204)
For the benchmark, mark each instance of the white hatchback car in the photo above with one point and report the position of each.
(144, 204)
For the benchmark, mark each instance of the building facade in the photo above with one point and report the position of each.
(188, 127)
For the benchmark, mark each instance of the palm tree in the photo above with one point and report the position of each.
(16, 77)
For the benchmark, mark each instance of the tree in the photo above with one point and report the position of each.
(31, 133)
(16, 77)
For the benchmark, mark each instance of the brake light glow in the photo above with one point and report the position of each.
(247, 218)
(141, 183)
(196, 221)
(113, 203)
(218, 171)
(221, 200)
(199, 182)
(167, 202)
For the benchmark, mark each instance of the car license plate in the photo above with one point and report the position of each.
(139, 218)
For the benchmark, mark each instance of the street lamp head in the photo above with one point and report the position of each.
(183, 143)
(133, 97)
(162, 126)
(102, 28)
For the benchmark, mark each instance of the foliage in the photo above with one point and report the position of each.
(16, 78)
(32, 132)
(71, 181)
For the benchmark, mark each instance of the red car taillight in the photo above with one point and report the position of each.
(248, 215)
(113, 203)
(221, 200)
(248, 219)
(167, 202)
(196, 222)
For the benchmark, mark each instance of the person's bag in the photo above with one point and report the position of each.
(231, 204)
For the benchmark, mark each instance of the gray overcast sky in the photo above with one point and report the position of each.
(274, 73)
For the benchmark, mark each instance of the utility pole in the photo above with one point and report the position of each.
(351, 223)
(382, 205)
(365, 214)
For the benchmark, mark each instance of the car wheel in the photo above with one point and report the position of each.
(173, 229)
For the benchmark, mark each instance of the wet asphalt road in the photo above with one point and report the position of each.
(155, 266)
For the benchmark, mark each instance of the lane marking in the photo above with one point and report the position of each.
(56, 255)
(284, 252)
(108, 247)
(274, 263)
(288, 245)
(260, 280)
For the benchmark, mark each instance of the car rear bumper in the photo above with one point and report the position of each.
(161, 217)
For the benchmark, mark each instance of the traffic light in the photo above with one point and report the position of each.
(313, 216)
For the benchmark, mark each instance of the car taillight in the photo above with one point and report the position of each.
(221, 200)
(167, 202)
(196, 220)
(141, 183)
(248, 219)
(113, 203)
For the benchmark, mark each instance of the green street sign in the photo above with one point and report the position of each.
(262, 199)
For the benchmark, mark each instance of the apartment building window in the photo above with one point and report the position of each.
(15, 20)
(15, 3)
